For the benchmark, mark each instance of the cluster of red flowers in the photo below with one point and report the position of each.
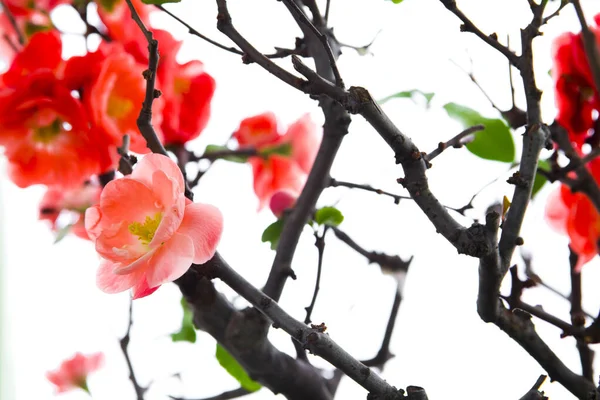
(578, 103)
(62, 120)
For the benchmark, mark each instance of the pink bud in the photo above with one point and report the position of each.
(281, 201)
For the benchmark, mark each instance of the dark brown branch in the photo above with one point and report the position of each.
(236, 331)
(13, 22)
(390, 264)
(300, 16)
(456, 142)
(519, 327)
(320, 244)
(589, 44)
(490, 276)
(586, 354)
(368, 188)
(124, 343)
(313, 339)
(358, 100)
(228, 395)
(491, 40)
(534, 393)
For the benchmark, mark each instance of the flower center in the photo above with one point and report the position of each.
(145, 231)
(118, 106)
(182, 85)
(45, 134)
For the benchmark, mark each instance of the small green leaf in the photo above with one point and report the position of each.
(187, 333)
(160, 1)
(397, 1)
(539, 180)
(495, 142)
(215, 148)
(235, 369)
(284, 149)
(62, 232)
(328, 216)
(409, 94)
(272, 233)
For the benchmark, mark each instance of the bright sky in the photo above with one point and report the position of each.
(52, 307)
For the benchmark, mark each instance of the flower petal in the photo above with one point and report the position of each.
(109, 282)
(171, 260)
(203, 224)
(144, 171)
(127, 199)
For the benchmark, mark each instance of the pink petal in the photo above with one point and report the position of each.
(117, 244)
(109, 282)
(171, 260)
(151, 163)
(203, 224)
(142, 289)
(126, 199)
(173, 204)
(92, 218)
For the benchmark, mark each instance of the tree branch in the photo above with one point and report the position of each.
(124, 343)
(456, 142)
(586, 355)
(534, 393)
(491, 40)
(320, 244)
(368, 188)
(228, 395)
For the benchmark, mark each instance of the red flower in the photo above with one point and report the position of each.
(115, 97)
(275, 170)
(73, 373)
(575, 92)
(46, 133)
(187, 102)
(117, 19)
(574, 214)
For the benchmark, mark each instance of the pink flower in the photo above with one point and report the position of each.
(281, 201)
(147, 232)
(72, 373)
(57, 201)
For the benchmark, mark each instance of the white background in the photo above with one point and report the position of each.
(52, 307)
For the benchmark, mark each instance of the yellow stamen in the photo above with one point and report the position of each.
(145, 231)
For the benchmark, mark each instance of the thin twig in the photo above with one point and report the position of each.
(13, 22)
(320, 244)
(491, 40)
(228, 395)
(327, 10)
(215, 155)
(384, 354)
(279, 53)
(368, 188)
(534, 393)
(586, 355)
(388, 264)
(124, 342)
(456, 142)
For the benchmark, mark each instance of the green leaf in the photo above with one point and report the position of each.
(284, 149)
(397, 1)
(160, 1)
(62, 232)
(187, 333)
(235, 369)
(495, 142)
(272, 233)
(539, 180)
(215, 148)
(328, 216)
(409, 94)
